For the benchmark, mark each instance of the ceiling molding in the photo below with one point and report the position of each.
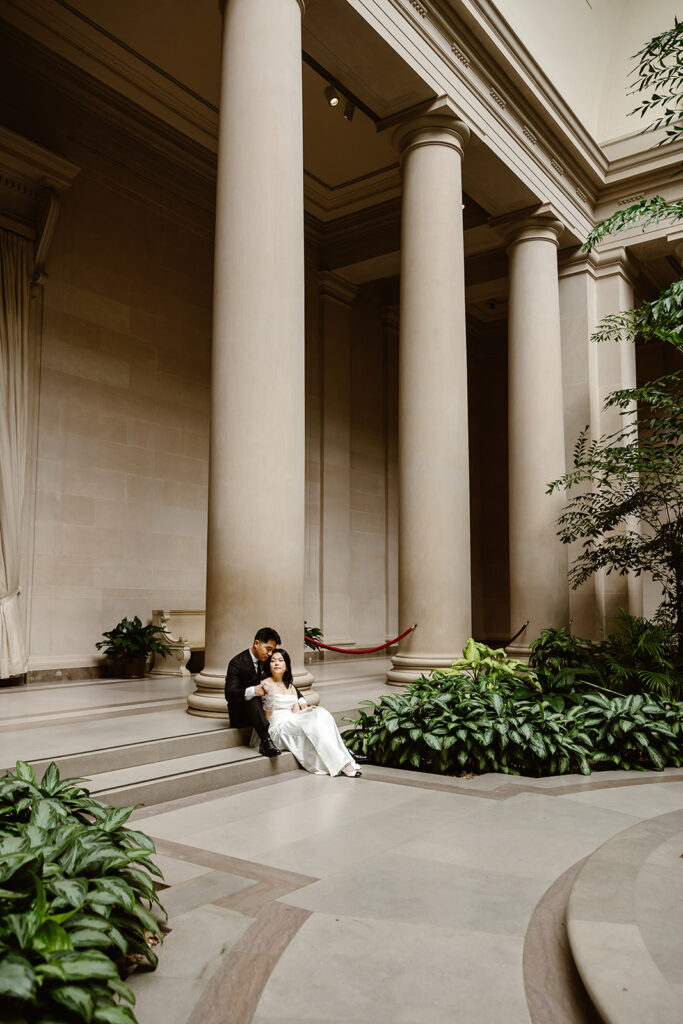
(82, 42)
(330, 202)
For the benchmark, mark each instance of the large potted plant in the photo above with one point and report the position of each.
(129, 644)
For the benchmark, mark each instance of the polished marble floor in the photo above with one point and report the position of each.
(394, 897)
(309, 899)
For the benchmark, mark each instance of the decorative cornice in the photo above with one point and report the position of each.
(31, 180)
(628, 200)
(332, 286)
(420, 8)
(461, 55)
(557, 165)
(528, 134)
(76, 37)
(32, 166)
(497, 98)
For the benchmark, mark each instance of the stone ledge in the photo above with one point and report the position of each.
(623, 922)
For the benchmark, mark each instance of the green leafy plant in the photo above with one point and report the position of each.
(465, 719)
(486, 664)
(637, 657)
(640, 657)
(130, 640)
(315, 633)
(76, 893)
(629, 509)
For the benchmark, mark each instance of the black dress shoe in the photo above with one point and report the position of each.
(268, 748)
(360, 758)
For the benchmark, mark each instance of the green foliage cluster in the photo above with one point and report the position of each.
(130, 640)
(628, 511)
(315, 633)
(75, 897)
(479, 716)
(637, 657)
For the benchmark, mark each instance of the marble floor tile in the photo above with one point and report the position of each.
(204, 889)
(393, 887)
(416, 973)
(643, 801)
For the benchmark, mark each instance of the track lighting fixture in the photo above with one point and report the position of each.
(332, 96)
(349, 110)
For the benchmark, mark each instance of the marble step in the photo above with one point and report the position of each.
(151, 751)
(155, 783)
(624, 923)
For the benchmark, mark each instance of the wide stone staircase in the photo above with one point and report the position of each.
(136, 744)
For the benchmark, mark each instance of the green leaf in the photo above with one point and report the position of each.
(70, 890)
(51, 937)
(77, 999)
(432, 741)
(121, 989)
(117, 891)
(115, 818)
(89, 938)
(114, 1015)
(50, 779)
(47, 813)
(81, 966)
(25, 772)
(17, 978)
(497, 702)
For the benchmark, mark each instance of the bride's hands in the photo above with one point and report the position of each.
(295, 708)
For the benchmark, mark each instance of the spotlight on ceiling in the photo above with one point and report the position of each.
(332, 96)
(349, 110)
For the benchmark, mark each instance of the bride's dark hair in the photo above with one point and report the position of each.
(287, 676)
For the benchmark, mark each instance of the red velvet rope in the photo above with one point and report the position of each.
(364, 650)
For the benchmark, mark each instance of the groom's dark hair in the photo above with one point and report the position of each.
(266, 633)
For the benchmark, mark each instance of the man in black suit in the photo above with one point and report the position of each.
(244, 687)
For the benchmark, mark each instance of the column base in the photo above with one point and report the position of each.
(208, 700)
(407, 668)
(518, 651)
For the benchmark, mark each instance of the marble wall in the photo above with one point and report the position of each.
(123, 427)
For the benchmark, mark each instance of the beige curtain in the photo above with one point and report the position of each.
(16, 366)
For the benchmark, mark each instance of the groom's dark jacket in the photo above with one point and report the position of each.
(241, 674)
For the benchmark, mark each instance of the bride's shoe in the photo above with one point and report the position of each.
(351, 771)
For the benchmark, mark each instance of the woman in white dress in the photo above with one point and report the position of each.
(309, 732)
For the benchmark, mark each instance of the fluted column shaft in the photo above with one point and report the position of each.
(538, 560)
(255, 558)
(434, 500)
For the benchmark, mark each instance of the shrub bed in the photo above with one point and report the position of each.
(76, 894)
(491, 714)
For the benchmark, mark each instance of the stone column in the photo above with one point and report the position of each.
(434, 499)
(591, 287)
(255, 558)
(616, 366)
(538, 560)
(336, 297)
(390, 324)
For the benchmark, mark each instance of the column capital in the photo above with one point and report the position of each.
(438, 125)
(539, 223)
(223, 3)
(335, 287)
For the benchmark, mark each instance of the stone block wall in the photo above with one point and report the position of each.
(124, 419)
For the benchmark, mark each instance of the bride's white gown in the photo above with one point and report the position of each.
(312, 736)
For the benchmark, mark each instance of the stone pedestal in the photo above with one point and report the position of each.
(434, 499)
(255, 560)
